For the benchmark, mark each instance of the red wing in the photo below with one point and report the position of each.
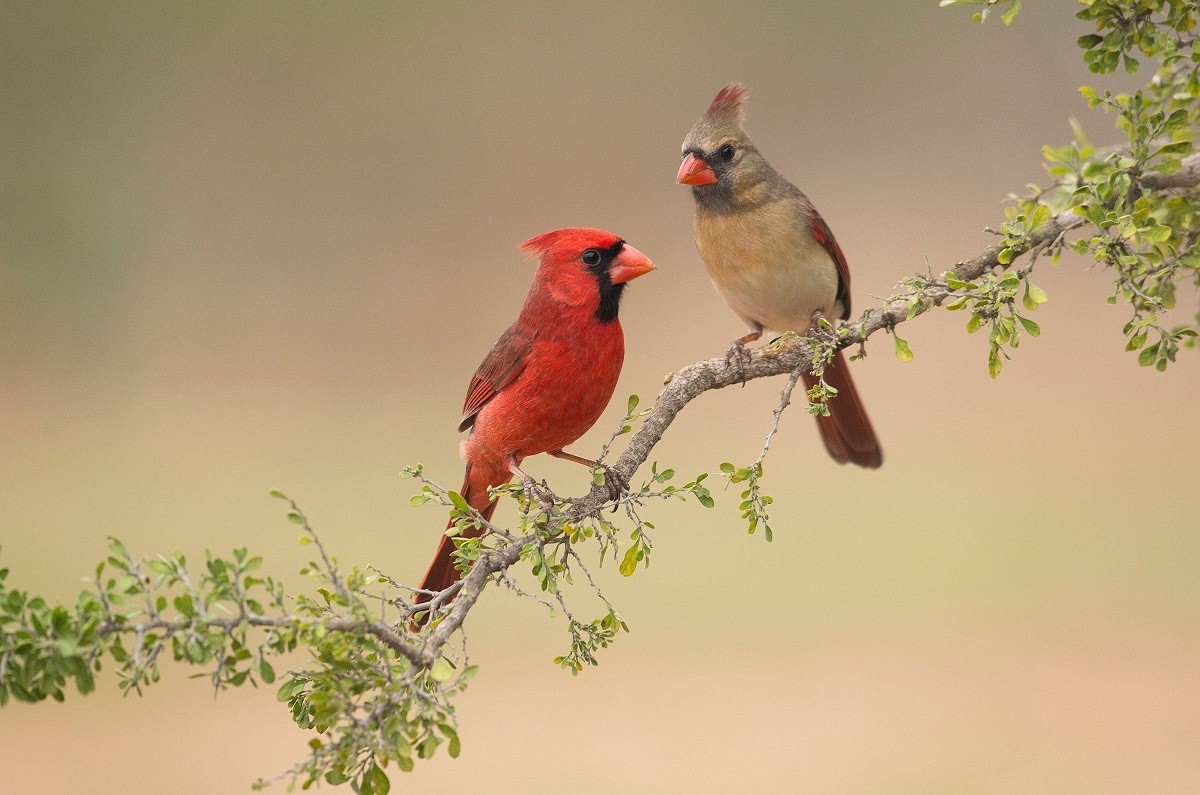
(824, 236)
(503, 364)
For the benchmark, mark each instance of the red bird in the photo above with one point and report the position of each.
(772, 257)
(549, 377)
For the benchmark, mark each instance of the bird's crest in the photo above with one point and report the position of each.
(572, 238)
(540, 244)
(729, 101)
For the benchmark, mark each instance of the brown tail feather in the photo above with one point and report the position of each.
(847, 432)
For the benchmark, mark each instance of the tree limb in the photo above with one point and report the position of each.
(797, 355)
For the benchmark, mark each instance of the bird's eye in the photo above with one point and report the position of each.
(726, 152)
(591, 257)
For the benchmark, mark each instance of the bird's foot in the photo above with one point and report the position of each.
(537, 493)
(820, 326)
(616, 484)
(738, 358)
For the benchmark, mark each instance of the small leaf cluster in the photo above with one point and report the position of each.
(1152, 27)
(993, 303)
(632, 415)
(43, 646)
(397, 713)
(822, 342)
(587, 639)
(754, 502)
(550, 539)
(136, 611)
(638, 550)
(467, 527)
(695, 486)
(819, 395)
(369, 705)
(1148, 238)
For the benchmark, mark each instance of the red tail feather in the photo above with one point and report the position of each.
(847, 432)
(442, 574)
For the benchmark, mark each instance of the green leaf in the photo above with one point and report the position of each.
(1148, 356)
(379, 780)
(629, 562)
(994, 363)
(455, 747)
(903, 352)
(1136, 341)
(295, 518)
(1032, 328)
(1034, 296)
(83, 680)
(1156, 234)
(441, 670)
(459, 503)
(1010, 13)
(183, 603)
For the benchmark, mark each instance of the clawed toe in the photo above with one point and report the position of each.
(539, 494)
(617, 485)
(738, 358)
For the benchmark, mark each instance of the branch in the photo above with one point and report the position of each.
(696, 379)
(378, 690)
(1188, 176)
(796, 355)
(388, 635)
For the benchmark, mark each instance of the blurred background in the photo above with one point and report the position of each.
(264, 245)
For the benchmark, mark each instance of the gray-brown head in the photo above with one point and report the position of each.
(720, 162)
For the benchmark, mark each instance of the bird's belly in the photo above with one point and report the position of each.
(555, 400)
(777, 301)
(777, 281)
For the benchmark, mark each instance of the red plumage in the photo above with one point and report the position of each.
(729, 100)
(847, 432)
(551, 374)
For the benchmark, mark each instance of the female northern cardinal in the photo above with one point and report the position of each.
(771, 257)
(548, 378)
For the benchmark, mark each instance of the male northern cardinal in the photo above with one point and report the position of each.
(548, 378)
(771, 257)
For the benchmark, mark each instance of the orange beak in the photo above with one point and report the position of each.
(629, 264)
(695, 171)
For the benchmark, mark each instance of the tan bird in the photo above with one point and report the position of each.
(772, 257)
